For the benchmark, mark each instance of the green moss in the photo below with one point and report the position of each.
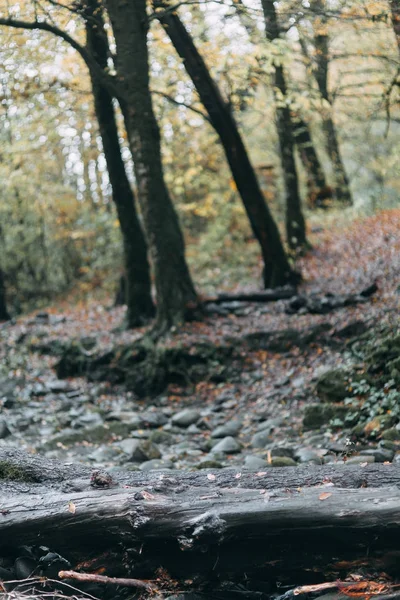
(13, 472)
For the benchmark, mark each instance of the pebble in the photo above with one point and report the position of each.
(255, 462)
(260, 439)
(360, 459)
(156, 464)
(4, 431)
(308, 455)
(139, 451)
(228, 445)
(229, 429)
(186, 417)
(380, 454)
(283, 461)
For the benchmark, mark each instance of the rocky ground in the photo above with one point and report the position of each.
(282, 401)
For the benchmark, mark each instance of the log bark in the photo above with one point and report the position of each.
(292, 524)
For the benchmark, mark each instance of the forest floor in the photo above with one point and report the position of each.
(253, 418)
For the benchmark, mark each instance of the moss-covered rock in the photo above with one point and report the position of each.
(316, 415)
(332, 386)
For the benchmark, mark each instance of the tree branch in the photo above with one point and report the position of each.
(107, 80)
(177, 103)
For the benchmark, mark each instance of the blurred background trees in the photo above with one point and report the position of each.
(59, 226)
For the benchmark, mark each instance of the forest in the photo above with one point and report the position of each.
(199, 298)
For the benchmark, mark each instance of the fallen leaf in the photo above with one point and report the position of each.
(324, 495)
(211, 477)
(71, 507)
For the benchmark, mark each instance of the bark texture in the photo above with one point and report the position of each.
(277, 270)
(395, 8)
(293, 523)
(295, 223)
(321, 45)
(318, 191)
(174, 287)
(4, 315)
(140, 307)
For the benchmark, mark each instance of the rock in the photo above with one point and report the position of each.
(156, 464)
(380, 454)
(255, 462)
(391, 434)
(162, 437)
(307, 455)
(231, 428)
(58, 386)
(152, 420)
(260, 439)
(377, 425)
(283, 461)
(270, 424)
(131, 418)
(186, 417)
(332, 386)
(209, 464)
(104, 454)
(139, 450)
(4, 431)
(316, 415)
(360, 459)
(228, 445)
(89, 419)
(282, 451)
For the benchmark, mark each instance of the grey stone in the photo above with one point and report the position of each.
(316, 415)
(161, 437)
(255, 462)
(260, 439)
(282, 451)
(186, 417)
(270, 424)
(139, 450)
(380, 454)
(231, 428)
(4, 431)
(332, 386)
(209, 464)
(228, 445)
(153, 419)
(283, 461)
(155, 464)
(307, 455)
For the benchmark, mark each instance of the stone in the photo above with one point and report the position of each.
(161, 437)
(186, 417)
(391, 434)
(227, 445)
(316, 415)
(270, 425)
(307, 455)
(231, 428)
(4, 431)
(156, 464)
(209, 464)
(152, 420)
(283, 461)
(282, 451)
(255, 462)
(380, 454)
(260, 439)
(332, 386)
(139, 450)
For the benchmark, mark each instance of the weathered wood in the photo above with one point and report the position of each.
(283, 293)
(291, 523)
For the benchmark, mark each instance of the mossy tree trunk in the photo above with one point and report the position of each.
(318, 189)
(395, 8)
(321, 69)
(277, 270)
(174, 287)
(140, 307)
(4, 315)
(295, 223)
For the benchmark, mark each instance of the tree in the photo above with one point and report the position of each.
(295, 224)
(395, 9)
(4, 315)
(277, 270)
(320, 64)
(137, 272)
(175, 290)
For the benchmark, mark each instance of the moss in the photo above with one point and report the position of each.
(13, 472)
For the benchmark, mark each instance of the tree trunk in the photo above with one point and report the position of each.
(321, 45)
(295, 224)
(174, 287)
(140, 306)
(318, 191)
(277, 270)
(395, 7)
(215, 525)
(4, 315)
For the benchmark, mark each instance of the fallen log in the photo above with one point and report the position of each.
(293, 525)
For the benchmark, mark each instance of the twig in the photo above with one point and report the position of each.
(137, 583)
